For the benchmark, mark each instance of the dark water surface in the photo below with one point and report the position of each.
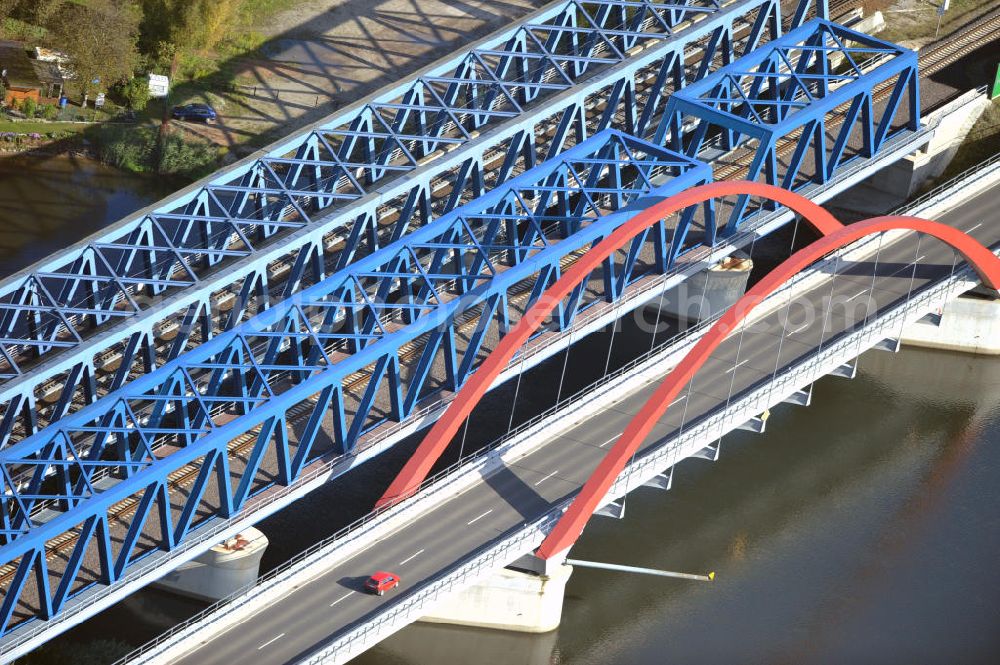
(48, 203)
(863, 529)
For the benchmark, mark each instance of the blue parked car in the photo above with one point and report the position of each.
(194, 112)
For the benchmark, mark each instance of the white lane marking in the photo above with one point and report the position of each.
(476, 519)
(859, 293)
(798, 330)
(546, 477)
(908, 266)
(609, 440)
(273, 639)
(739, 364)
(411, 557)
(974, 227)
(344, 597)
(682, 397)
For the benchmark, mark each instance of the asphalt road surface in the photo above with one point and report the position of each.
(315, 613)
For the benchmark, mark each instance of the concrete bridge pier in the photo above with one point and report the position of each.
(525, 597)
(970, 324)
(706, 293)
(900, 181)
(221, 571)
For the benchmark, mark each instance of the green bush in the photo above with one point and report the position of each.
(136, 93)
(192, 66)
(126, 148)
(28, 107)
(188, 159)
(134, 149)
(49, 111)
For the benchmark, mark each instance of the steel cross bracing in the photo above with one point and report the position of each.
(389, 322)
(84, 322)
(812, 88)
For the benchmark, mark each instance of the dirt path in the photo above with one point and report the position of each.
(324, 54)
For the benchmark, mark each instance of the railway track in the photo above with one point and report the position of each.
(974, 35)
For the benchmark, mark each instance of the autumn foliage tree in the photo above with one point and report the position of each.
(100, 39)
(186, 24)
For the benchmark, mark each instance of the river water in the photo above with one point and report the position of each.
(47, 203)
(863, 529)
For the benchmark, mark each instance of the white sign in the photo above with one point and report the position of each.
(158, 85)
(99, 102)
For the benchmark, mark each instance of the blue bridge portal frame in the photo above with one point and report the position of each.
(813, 88)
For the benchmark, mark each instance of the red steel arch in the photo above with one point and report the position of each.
(836, 236)
(571, 525)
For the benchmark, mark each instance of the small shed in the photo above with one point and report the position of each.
(27, 77)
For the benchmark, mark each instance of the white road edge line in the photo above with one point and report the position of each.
(476, 519)
(344, 597)
(273, 639)
(546, 477)
(411, 557)
(908, 266)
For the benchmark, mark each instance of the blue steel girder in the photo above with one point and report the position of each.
(305, 378)
(809, 9)
(86, 321)
(814, 93)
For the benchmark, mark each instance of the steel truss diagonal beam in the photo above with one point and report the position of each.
(139, 469)
(91, 318)
(814, 89)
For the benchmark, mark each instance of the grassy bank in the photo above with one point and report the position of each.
(44, 128)
(140, 149)
(982, 143)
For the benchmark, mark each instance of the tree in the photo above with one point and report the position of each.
(7, 8)
(194, 24)
(43, 10)
(100, 39)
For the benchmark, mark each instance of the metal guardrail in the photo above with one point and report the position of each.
(851, 343)
(955, 182)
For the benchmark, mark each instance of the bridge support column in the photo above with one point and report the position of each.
(969, 323)
(706, 293)
(221, 570)
(898, 182)
(525, 600)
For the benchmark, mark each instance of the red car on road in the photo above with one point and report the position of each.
(381, 582)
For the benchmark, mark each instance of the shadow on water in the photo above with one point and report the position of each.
(48, 203)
